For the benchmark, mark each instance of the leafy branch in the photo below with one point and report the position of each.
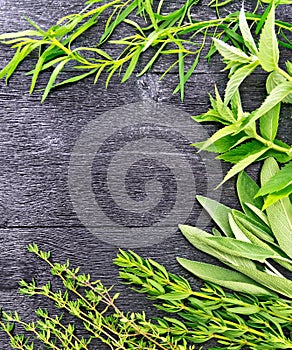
(235, 320)
(241, 141)
(163, 32)
(90, 302)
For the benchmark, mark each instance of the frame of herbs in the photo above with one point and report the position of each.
(254, 242)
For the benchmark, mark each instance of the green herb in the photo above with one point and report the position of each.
(248, 242)
(166, 33)
(91, 303)
(239, 141)
(235, 320)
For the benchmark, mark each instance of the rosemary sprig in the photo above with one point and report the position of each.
(235, 320)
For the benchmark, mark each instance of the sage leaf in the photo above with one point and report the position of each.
(218, 212)
(261, 215)
(237, 78)
(198, 239)
(246, 34)
(280, 216)
(280, 213)
(238, 233)
(244, 249)
(224, 277)
(268, 44)
(276, 283)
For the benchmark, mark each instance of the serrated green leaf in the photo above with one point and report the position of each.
(237, 78)
(269, 123)
(246, 190)
(274, 79)
(246, 34)
(239, 153)
(276, 96)
(218, 212)
(275, 196)
(223, 277)
(268, 44)
(278, 181)
(231, 53)
(227, 130)
(242, 164)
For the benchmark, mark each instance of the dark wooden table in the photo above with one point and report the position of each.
(37, 145)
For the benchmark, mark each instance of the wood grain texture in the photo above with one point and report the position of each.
(36, 142)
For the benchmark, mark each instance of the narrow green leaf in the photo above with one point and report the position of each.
(53, 78)
(76, 78)
(244, 310)
(268, 44)
(218, 212)
(132, 64)
(22, 34)
(237, 78)
(224, 277)
(246, 34)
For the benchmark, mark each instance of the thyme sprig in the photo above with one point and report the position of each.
(95, 306)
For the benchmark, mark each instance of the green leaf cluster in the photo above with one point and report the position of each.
(252, 242)
(236, 321)
(247, 137)
(148, 29)
(95, 306)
